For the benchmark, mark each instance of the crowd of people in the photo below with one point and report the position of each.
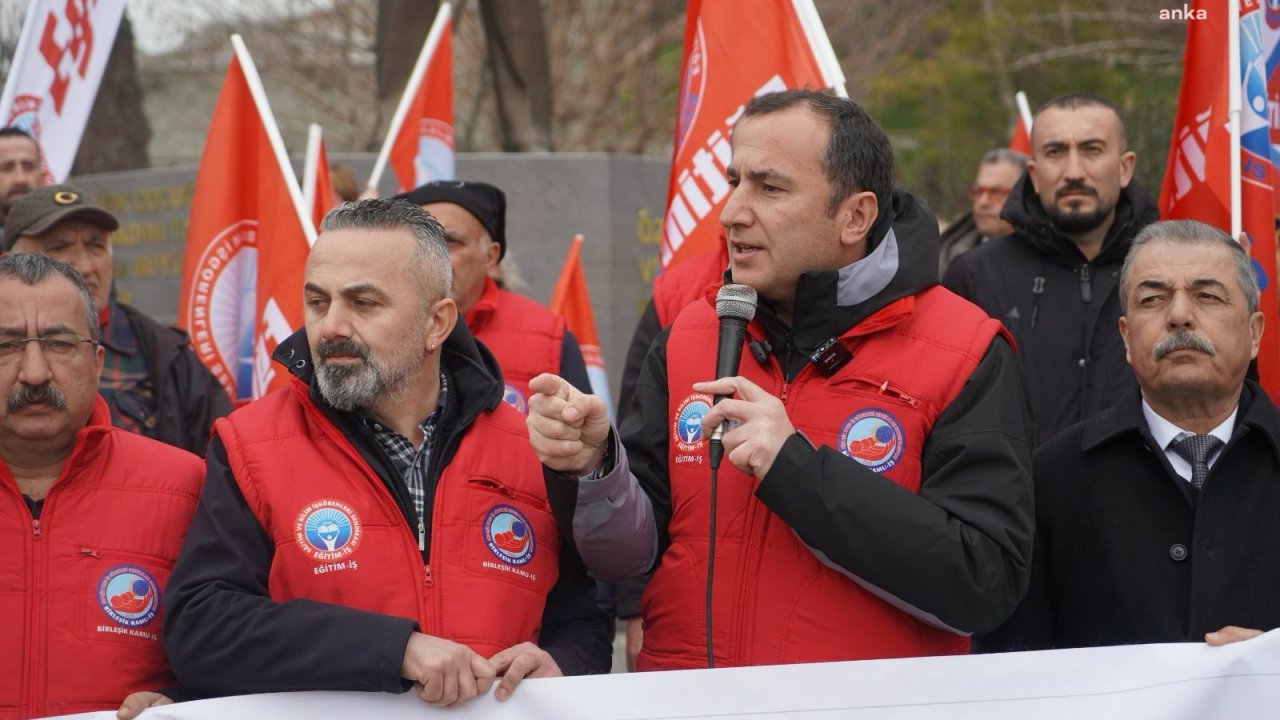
(1035, 430)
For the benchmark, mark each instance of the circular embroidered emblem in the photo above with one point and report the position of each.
(512, 396)
(686, 426)
(129, 595)
(873, 438)
(509, 535)
(327, 530)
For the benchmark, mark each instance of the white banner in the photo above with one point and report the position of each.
(1185, 680)
(55, 74)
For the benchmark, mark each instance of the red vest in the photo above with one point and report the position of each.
(80, 609)
(774, 601)
(340, 537)
(680, 285)
(524, 336)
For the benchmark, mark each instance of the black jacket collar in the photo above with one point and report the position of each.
(901, 260)
(1135, 209)
(1256, 412)
(474, 386)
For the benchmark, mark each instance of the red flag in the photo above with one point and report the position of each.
(1197, 183)
(317, 186)
(419, 144)
(1020, 141)
(730, 56)
(247, 240)
(571, 300)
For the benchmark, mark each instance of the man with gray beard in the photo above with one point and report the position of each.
(1158, 520)
(382, 524)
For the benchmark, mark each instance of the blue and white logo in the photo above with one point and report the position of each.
(512, 396)
(686, 428)
(327, 530)
(129, 595)
(508, 535)
(872, 437)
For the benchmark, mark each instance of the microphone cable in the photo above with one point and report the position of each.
(711, 556)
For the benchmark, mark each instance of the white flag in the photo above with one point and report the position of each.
(55, 74)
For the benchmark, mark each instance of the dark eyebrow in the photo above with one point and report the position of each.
(1153, 284)
(12, 331)
(364, 289)
(1209, 283)
(768, 176)
(313, 288)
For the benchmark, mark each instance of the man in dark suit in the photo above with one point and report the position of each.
(1157, 520)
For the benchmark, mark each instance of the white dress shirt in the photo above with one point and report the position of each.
(1166, 432)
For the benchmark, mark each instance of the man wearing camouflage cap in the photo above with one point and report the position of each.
(152, 381)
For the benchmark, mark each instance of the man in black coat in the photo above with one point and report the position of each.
(1053, 281)
(1156, 520)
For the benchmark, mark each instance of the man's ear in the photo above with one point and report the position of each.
(440, 322)
(492, 253)
(856, 215)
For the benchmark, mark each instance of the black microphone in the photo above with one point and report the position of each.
(735, 306)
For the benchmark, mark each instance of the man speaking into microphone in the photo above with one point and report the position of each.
(876, 499)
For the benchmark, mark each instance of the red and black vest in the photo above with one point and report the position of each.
(80, 606)
(524, 336)
(688, 281)
(340, 537)
(774, 601)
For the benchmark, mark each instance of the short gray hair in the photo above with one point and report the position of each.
(391, 214)
(34, 268)
(1191, 232)
(1006, 156)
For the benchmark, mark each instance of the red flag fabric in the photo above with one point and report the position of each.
(317, 187)
(1021, 138)
(570, 299)
(1197, 182)
(729, 57)
(247, 242)
(422, 148)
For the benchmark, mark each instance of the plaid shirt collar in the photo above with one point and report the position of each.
(116, 334)
(412, 463)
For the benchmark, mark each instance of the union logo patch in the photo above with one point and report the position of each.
(873, 438)
(508, 535)
(129, 595)
(686, 426)
(512, 396)
(327, 530)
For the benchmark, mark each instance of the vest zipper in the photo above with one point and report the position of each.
(1086, 284)
(90, 552)
(422, 537)
(426, 569)
(35, 529)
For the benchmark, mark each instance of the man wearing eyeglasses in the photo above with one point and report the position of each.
(153, 383)
(1053, 281)
(998, 171)
(91, 516)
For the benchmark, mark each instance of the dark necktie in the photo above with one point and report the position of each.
(1196, 450)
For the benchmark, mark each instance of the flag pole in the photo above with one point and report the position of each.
(410, 91)
(310, 165)
(820, 45)
(1024, 110)
(273, 134)
(1233, 111)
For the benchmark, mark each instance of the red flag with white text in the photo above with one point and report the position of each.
(1197, 182)
(55, 73)
(570, 299)
(247, 242)
(729, 57)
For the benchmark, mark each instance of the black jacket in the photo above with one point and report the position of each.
(224, 634)
(962, 545)
(1061, 309)
(1123, 555)
(188, 398)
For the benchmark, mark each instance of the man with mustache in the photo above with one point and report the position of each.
(20, 171)
(1156, 520)
(152, 381)
(1053, 281)
(382, 523)
(91, 516)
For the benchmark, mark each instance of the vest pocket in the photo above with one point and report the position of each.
(510, 536)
